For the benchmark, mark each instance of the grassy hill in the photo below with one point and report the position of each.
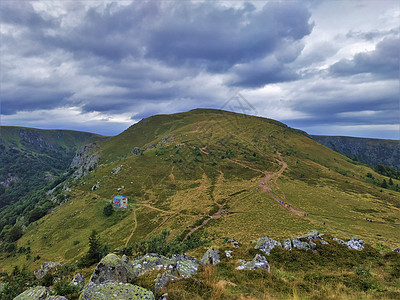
(227, 174)
(30, 159)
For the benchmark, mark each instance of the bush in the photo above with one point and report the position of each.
(63, 288)
(108, 210)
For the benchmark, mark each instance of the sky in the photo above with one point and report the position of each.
(326, 67)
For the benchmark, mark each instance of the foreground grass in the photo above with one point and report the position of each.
(334, 272)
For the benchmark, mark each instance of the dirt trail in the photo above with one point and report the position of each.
(134, 228)
(265, 183)
(203, 150)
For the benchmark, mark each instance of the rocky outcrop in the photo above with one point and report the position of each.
(78, 281)
(85, 160)
(136, 151)
(311, 236)
(211, 257)
(287, 244)
(152, 261)
(113, 268)
(111, 290)
(266, 244)
(300, 244)
(258, 262)
(396, 250)
(45, 268)
(355, 243)
(34, 293)
(186, 266)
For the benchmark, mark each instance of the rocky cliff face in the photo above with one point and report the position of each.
(85, 160)
(369, 151)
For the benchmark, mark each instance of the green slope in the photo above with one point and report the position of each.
(369, 151)
(30, 159)
(220, 172)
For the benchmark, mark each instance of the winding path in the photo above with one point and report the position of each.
(265, 183)
(134, 228)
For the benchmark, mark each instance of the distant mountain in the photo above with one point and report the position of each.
(369, 151)
(30, 159)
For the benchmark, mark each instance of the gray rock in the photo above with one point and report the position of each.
(339, 241)
(310, 236)
(151, 147)
(56, 298)
(266, 244)
(85, 160)
(233, 242)
(111, 290)
(162, 279)
(34, 293)
(324, 243)
(211, 257)
(116, 170)
(113, 268)
(79, 281)
(95, 187)
(186, 266)
(228, 253)
(300, 245)
(258, 262)
(287, 245)
(152, 261)
(136, 151)
(45, 268)
(355, 243)
(397, 250)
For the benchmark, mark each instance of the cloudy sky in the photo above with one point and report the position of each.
(326, 67)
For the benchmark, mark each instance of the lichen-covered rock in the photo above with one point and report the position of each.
(397, 250)
(186, 266)
(266, 244)
(355, 243)
(162, 279)
(339, 241)
(111, 290)
(34, 293)
(56, 298)
(258, 262)
(211, 257)
(113, 268)
(152, 261)
(300, 245)
(287, 245)
(45, 268)
(79, 281)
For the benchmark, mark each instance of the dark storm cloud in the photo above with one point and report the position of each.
(143, 51)
(383, 61)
